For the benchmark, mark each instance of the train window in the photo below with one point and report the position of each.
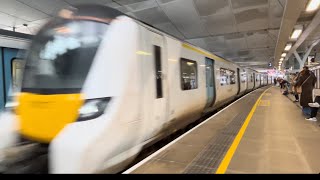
(243, 77)
(232, 77)
(224, 77)
(17, 67)
(209, 74)
(61, 56)
(158, 71)
(189, 79)
(227, 77)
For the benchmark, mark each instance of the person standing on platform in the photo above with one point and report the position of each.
(275, 81)
(295, 78)
(307, 81)
(314, 109)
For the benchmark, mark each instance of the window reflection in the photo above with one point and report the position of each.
(227, 77)
(188, 74)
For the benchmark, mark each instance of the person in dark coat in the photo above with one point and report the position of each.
(307, 81)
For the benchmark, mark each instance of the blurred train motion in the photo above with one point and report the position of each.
(99, 86)
(12, 53)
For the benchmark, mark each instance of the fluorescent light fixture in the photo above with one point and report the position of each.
(296, 33)
(281, 59)
(283, 54)
(313, 5)
(288, 47)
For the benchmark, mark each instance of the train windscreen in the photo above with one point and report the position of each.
(61, 55)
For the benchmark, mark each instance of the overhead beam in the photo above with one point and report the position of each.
(291, 14)
(311, 27)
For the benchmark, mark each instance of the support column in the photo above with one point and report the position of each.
(301, 63)
(305, 57)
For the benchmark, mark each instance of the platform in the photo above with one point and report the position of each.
(263, 132)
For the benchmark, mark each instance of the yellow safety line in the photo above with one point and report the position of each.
(227, 158)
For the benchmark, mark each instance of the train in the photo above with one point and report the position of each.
(13, 46)
(99, 86)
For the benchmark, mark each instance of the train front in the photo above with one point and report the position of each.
(54, 93)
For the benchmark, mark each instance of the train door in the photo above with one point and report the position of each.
(248, 79)
(211, 94)
(160, 70)
(254, 80)
(239, 81)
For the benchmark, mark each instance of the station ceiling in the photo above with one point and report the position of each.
(244, 31)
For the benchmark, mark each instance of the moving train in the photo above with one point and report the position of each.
(99, 86)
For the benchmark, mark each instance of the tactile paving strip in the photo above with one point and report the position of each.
(209, 159)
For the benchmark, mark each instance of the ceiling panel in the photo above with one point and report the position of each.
(253, 19)
(185, 17)
(113, 5)
(216, 44)
(272, 37)
(126, 2)
(220, 24)
(39, 22)
(275, 13)
(142, 5)
(248, 4)
(164, 1)
(49, 7)
(257, 39)
(10, 21)
(230, 54)
(3, 26)
(123, 9)
(170, 29)
(236, 41)
(152, 16)
(29, 30)
(17, 9)
(210, 7)
(102, 2)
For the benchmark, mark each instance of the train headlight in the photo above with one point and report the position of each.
(92, 109)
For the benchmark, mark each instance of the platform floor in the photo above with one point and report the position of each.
(263, 132)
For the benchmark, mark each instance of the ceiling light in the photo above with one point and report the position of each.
(281, 59)
(296, 33)
(284, 55)
(288, 47)
(313, 5)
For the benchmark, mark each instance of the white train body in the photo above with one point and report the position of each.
(156, 84)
